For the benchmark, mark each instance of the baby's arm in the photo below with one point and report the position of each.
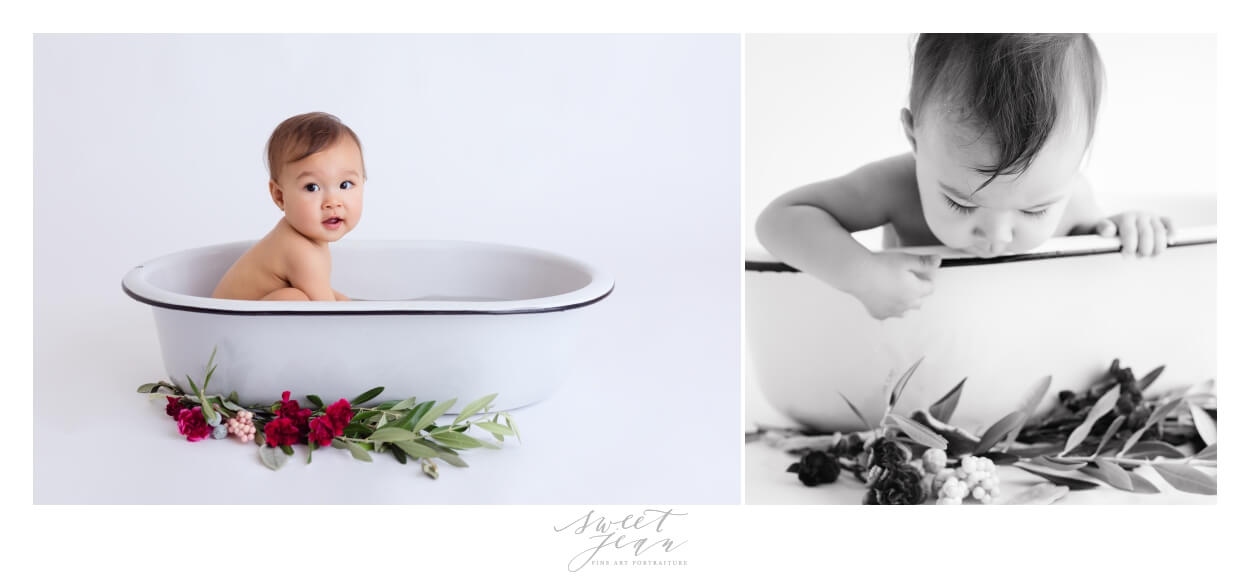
(1141, 233)
(810, 228)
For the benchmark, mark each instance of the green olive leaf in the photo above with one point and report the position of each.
(405, 404)
(358, 452)
(944, 408)
(858, 414)
(512, 425)
(1152, 449)
(902, 384)
(1160, 413)
(416, 450)
(1100, 409)
(392, 435)
(398, 454)
(367, 396)
(1148, 379)
(1203, 423)
(272, 457)
(433, 413)
(453, 459)
(1061, 464)
(917, 432)
(457, 440)
(495, 429)
(1111, 473)
(1207, 453)
(1142, 485)
(1186, 478)
(1110, 433)
(1073, 483)
(474, 407)
(999, 431)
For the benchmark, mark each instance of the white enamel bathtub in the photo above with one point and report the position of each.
(435, 320)
(1065, 310)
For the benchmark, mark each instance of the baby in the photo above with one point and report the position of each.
(998, 126)
(317, 178)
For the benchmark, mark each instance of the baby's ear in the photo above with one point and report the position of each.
(909, 127)
(276, 193)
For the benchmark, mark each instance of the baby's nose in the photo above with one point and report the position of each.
(332, 203)
(996, 230)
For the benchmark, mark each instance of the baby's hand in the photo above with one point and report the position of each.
(1141, 233)
(895, 283)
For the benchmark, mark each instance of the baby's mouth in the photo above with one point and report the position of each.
(332, 222)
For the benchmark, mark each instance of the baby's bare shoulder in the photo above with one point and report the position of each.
(890, 179)
(872, 195)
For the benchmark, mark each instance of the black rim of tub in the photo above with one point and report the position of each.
(383, 312)
(770, 266)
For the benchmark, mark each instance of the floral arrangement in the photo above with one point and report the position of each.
(1098, 437)
(404, 428)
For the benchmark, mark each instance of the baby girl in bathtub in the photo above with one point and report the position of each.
(998, 126)
(317, 179)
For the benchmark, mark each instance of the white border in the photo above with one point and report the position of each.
(752, 539)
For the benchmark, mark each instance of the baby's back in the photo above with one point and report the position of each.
(256, 273)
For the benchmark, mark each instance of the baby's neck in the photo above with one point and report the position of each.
(287, 228)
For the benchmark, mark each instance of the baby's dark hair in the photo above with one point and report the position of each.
(1010, 86)
(301, 136)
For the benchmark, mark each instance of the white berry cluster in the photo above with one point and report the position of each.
(975, 477)
(241, 426)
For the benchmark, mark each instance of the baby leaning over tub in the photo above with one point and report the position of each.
(998, 125)
(317, 179)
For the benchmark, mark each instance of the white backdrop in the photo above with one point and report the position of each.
(819, 106)
(621, 150)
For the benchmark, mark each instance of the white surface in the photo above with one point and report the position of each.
(613, 150)
(819, 106)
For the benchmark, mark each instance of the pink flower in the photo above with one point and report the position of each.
(290, 410)
(241, 426)
(340, 415)
(282, 432)
(173, 406)
(191, 424)
(321, 431)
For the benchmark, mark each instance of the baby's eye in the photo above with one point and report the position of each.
(960, 208)
(312, 187)
(346, 185)
(1036, 213)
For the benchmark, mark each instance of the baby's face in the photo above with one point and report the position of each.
(1015, 212)
(321, 195)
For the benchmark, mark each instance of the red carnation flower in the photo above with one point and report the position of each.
(192, 425)
(282, 432)
(320, 431)
(173, 406)
(290, 410)
(340, 415)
